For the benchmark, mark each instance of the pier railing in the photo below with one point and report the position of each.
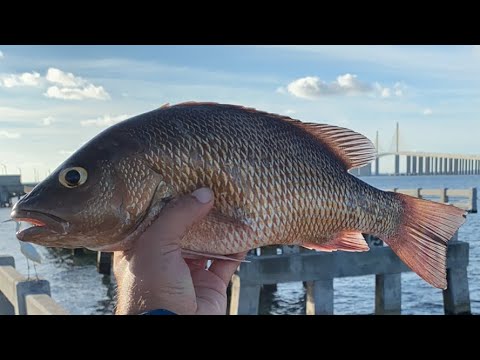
(319, 269)
(465, 199)
(21, 296)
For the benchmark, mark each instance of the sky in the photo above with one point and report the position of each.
(53, 99)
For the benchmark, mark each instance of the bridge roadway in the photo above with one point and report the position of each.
(425, 163)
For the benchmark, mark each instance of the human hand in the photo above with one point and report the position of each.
(154, 275)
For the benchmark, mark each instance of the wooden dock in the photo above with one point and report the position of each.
(319, 269)
(465, 199)
(21, 296)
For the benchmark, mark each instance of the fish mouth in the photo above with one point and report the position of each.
(43, 224)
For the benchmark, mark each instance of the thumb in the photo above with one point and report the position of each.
(179, 215)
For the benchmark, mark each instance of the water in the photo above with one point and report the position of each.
(78, 287)
(74, 282)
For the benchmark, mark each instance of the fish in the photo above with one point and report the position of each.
(276, 180)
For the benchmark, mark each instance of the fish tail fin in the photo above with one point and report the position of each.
(421, 239)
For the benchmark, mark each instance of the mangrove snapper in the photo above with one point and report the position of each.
(276, 180)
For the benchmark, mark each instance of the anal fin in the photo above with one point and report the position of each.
(344, 241)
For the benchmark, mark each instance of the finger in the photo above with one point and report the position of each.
(118, 256)
(119, 264)
(179, 215)
(224, 269)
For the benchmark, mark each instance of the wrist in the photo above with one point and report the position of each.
(135, 299)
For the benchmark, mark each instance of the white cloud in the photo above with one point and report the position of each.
(67, 86)
(1, 55)
(281, 90)
(87, 92)
(105, 120)
(70, 87)
(8, 135)
(427, 111)
(398, 90)
(49, 120)
(312, 87)
(385, 93)
(59, 77)
(24, 79)
(66, 152)
(290, 112)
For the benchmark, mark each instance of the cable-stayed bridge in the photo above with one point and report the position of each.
(419, 163)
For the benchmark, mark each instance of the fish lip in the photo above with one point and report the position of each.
(52, 223)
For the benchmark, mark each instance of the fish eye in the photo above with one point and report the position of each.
(73, 177)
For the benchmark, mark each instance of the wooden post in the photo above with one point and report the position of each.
(6, 308)
(77, 252)
(473, 200)
(388, 294)
(29, 287)
(245, 298)
(104, 262)
(269, 250)
(456, 298)
(443, 195)
(320, 297)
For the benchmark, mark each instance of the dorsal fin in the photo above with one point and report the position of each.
(351, 148)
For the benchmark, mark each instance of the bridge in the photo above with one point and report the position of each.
(421, 163)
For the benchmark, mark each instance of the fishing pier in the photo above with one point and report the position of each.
(319, 269)
(22, 296)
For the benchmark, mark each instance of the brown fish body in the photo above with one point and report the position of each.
(276, 181)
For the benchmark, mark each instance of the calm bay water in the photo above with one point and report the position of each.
(78, 287)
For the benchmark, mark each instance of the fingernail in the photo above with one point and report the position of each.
(204, 195)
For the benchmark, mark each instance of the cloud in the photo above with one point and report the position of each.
(105, 120)
(24, 79)
(49, 120)
(88, 92)
(312, 87)
(59, 77)
(385, 92)
(1, 55)
(397, 90)
(290, 112)
(8, 135)
(70, 87)
(66, 85)
(66, 152)
(427, 111)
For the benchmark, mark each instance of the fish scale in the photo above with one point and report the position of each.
(276, 180)
(215, 160)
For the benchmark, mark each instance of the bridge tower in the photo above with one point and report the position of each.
(377, 162)
(397, 149)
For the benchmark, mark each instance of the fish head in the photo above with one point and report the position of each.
(95, 199)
